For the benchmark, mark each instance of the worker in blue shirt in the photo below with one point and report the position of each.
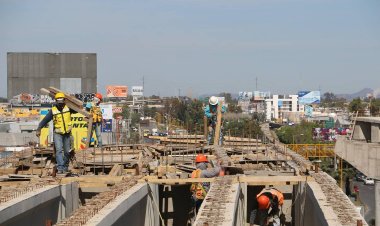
(211, 114)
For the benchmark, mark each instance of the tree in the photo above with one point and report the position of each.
(356, 105)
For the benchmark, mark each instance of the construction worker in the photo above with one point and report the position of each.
(199, 190)
(61, 116)
(267, 204)
(211, 113)
(97, 116)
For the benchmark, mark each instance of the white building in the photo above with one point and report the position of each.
(283, 107)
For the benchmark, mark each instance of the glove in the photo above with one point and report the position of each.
(38, 132)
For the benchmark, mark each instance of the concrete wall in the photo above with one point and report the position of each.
(311, 207)
(29, 72)
(49, 204)
(17, 139)
(363, 156)
(133, 207)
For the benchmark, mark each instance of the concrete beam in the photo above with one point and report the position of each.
(116, 210)
(363, 156)
(11, 209)
(220, 206)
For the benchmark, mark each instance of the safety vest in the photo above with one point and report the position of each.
(198, 189)
(62, 120)
(96, 113)
(275, 193)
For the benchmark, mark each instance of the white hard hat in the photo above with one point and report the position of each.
(213, 100)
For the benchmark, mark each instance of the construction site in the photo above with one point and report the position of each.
(190, 113)
(149, 184)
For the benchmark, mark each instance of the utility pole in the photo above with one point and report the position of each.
(256, 84)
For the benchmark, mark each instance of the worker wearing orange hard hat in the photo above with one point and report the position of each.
(97, 116)
(267, 204)
(199, 190)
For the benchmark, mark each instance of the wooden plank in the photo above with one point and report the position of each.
(6, 171)
(89, 131)
(116, 170)
(240, 139)
(250, 180)
(205, 127)
(93, 179)
(218, 124)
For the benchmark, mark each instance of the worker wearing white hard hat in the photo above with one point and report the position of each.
(211, 113)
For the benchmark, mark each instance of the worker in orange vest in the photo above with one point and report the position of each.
(267, 204)
(97, 116)
(199, 190)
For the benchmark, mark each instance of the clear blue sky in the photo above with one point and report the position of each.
(202, 46)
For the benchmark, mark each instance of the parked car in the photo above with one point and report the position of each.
(369, 181)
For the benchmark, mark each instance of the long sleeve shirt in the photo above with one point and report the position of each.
(48, 117)
(211, 111)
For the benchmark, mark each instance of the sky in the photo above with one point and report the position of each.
(200, 47)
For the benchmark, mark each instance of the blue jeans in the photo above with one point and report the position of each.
(97, 128)
(211, 132)
(62, 144)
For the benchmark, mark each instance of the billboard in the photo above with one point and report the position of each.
(137, 91)
(245, 95)
(309, 97)
(258, 95)
(106, 111)
(117, 91)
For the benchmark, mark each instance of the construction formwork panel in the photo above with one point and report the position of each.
(29, 72)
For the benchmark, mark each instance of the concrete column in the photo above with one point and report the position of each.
(375, 133)
(377, 202)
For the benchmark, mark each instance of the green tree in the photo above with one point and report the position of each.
(356, 105)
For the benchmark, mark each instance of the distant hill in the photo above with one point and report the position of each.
(362, 94)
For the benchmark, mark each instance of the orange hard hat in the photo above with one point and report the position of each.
(264, 202)
(99, 96)
(201, 158)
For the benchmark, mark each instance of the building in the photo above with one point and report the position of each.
(283, 108)
(70, 72)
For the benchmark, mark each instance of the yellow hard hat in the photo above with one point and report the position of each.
(59, 95)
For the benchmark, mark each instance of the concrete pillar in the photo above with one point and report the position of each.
(377, 202)
(362, 131)
(375, 133)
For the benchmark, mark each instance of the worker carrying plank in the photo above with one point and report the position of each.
(199, 190)
(266, 205)
(60, 113)
(97, 116)
(211, 112)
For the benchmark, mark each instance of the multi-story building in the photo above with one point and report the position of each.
(283, 108)
(70, 72)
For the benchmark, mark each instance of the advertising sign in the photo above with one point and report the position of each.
(107, 126)
(117, 109)
(117, 91)
(258, 95)
(106, 111)
(137, 91)
(309, 97)
(245, 95)
(308, 111)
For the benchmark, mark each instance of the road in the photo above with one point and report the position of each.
(367, 196)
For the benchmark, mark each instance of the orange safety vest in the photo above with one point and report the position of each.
(198, 189)
(275, 193)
